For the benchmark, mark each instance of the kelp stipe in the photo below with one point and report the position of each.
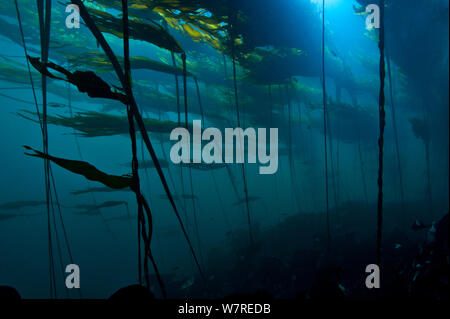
(216, 187)
(382, 119)
(394, 126)
(135, 163)
(94, 200)
(232, 21)
(294, 190)
(44, 13)
(177, 94)
(426, 140)
(324, 100)
(271, 124)
(332, 162)
(230, 111)
(361, 165)
(134, 110)
(186, 121)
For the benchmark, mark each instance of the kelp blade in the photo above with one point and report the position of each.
(87, 170)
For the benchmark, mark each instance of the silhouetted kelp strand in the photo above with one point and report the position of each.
(324, 99)
(87, 170)
(19, 19)
(183, 59)
(177, 87)
(230, 174)
(394, 126)
(147, 240)
(294, 192)
(427, 153)
(363, 176)
(332, 164)
(58, 246)
(63, 227)
(172, 180)
(134, 162)
(94, 200)
(335, 168)
(232, 20)
(199, 101)
(44, 28)
(136, 182)
(382, 119)
(194, 210)
(211, 172)
(271, 109)
(94, 30)
(225, 217)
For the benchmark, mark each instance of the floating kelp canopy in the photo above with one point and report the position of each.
(202, 20)
(258, 57)
(254, 33)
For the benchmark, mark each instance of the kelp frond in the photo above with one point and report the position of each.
(138, 30)
(86, 81)
(85, 169)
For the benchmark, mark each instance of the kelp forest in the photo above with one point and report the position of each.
(339, 189)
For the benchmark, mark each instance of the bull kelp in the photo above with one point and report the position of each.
(100, 99)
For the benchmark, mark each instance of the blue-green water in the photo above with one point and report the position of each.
(278, 55)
